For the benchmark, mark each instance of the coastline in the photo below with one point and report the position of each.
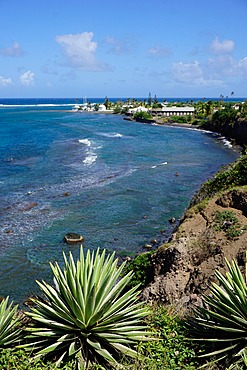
(167, 236)
(228, 141)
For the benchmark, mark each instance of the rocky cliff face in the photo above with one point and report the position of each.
(238, 131)
(210, 232)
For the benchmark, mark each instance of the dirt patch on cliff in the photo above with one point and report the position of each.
(210, 232)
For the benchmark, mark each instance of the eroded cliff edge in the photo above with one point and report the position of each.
(210, 231)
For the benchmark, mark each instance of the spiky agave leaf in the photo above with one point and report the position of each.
(87, 315)
(10, 328)
(223, 320)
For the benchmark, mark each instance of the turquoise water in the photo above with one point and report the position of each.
(115, 182)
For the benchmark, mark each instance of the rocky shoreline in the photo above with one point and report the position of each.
(184, 268)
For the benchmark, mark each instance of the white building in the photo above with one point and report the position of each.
(173, 111)
(138, 109)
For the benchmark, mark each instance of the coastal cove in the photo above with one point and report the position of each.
(118, 183)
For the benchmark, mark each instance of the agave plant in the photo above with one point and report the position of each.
(10, 328)
(244, 357)
(222, 322)
(87, 315)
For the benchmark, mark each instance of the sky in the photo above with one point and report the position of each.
(127, 49)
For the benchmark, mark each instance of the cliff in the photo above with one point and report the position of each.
(229, 125)
(210, 231)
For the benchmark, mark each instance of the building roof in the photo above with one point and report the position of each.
(178, 109)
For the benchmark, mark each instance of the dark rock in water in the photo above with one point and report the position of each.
(147, 246)
(172, 220)
(127, 258)
(9, 231)
(29, 206)
(72, 238)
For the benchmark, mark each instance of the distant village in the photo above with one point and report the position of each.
(148, 109)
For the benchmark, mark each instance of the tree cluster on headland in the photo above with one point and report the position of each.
(181, 306)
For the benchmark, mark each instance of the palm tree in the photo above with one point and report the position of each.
(223, 321)
(200, 108)
(209, 108)
(86, 315)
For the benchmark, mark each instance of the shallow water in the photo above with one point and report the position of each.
(115, 182)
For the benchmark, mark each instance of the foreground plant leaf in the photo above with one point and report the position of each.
(87, 315)
(223, 320)
(10, 328)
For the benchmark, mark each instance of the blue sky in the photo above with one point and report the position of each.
(98, 48)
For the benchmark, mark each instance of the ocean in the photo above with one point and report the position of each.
(116, 182)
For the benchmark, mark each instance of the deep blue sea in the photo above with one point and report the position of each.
(114, 181)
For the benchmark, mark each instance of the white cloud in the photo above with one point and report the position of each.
(27, 78)
(223, 65)
(13, 51)
(5, 81)
(159, 52)
(186, 72)
(242, 65)
(226, 46)
(118, 46)
(193, 74)
(79, 49)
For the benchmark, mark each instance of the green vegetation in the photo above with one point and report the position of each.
(221, 325)
(141, 267)
(20, 360)
(85, 317)
(142, 116)
(227, 221)
(235, 175)
(171, 351)
(10, 330)
(179, 119)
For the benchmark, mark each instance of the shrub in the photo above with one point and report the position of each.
(232, 176)
(10, 324)
(20, 360)
(141, 267)
(228, 222)
(142, 116)
(221, 325)
(170, 351)
(85, 317)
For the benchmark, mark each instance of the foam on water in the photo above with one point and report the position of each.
(33, 105)
(90, 159)
(85, 141)
(112, 134)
